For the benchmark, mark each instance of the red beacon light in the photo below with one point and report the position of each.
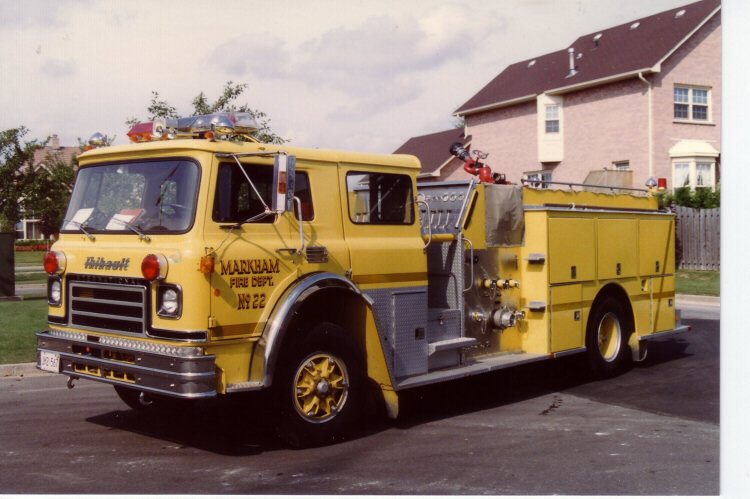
(154, 267)
(54, 262)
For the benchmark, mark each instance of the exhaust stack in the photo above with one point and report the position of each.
(572, 62)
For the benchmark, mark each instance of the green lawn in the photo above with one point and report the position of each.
(21, 319)
(697, 282)
(28, 258)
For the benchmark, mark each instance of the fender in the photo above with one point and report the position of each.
(278, 323)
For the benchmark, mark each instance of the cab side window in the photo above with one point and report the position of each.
(380, 198)
(237, 201)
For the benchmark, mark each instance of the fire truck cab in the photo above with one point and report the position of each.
(205, 266)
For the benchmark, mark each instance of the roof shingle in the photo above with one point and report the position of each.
(432, 149)
(620, 50)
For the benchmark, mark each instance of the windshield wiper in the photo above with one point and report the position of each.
(141, 235)
(162, 190)
(81, 226)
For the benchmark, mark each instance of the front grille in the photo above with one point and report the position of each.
(110, 307)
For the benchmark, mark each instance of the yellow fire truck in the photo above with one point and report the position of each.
(206, 266)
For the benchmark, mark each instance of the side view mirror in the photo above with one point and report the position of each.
(282, 197)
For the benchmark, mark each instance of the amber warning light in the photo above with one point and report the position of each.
(207, 264)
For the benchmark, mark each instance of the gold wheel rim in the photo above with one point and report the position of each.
(609, 337)
(321, 386)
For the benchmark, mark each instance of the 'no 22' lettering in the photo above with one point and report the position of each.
(250, 301)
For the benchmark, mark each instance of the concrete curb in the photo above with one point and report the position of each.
(705, 301)
(20, 370)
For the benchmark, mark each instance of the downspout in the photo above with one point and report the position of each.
(650, 126)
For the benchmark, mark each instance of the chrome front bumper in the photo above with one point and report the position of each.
(87, 357)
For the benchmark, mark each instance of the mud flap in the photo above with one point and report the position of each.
(638, 348)
(390, 397)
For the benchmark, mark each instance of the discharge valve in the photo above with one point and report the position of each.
(505, 317)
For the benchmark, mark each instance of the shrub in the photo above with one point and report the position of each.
(684, 196)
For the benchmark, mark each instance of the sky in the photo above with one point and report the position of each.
(356, 75)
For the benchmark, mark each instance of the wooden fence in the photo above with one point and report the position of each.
(698, 238)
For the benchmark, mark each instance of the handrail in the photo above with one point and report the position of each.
(571, 184)
(429, 224)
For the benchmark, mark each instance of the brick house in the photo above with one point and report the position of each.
(639, 100)
(28, 227)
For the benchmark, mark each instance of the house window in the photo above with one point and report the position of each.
(703, 174)
(621, 165)
(691, 103)
(539, 179)
(681, 175)
(552, 119)
(695, 173)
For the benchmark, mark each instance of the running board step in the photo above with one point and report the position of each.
(479, 365)
(450, 344)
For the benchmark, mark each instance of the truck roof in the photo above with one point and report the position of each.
(223, 146)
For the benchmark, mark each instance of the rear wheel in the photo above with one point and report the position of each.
(607, 338)
(320, 388)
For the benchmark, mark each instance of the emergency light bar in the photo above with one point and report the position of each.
(205, 125)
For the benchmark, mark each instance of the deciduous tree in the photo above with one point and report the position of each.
(48, 192)
(226, 102)
(15, 174)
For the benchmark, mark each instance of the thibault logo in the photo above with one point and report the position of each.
(100, 263)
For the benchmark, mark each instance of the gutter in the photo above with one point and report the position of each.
(562, 90)
(496, 105)
(650, 125)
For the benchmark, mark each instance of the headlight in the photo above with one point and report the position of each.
(54, 291)
(169, 301)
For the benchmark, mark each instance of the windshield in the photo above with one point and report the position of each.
(148, 196)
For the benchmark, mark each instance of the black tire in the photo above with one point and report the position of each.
(607, 335)
(319, 388)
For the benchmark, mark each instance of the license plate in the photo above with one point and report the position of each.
(49, 361)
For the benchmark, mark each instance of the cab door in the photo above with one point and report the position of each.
(388, 262)
(258, 260)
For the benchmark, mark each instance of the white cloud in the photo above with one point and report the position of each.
(331, 73)
(55, 68)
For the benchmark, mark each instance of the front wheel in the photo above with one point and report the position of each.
(607, 339)
(320, 388)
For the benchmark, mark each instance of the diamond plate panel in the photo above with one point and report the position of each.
(398, 313)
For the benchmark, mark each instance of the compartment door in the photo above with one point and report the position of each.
(572, 250)
(617, 256)
(656, 240)
(566, 329)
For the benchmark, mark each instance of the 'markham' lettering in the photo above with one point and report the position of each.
(254, 266)
(100, 263)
